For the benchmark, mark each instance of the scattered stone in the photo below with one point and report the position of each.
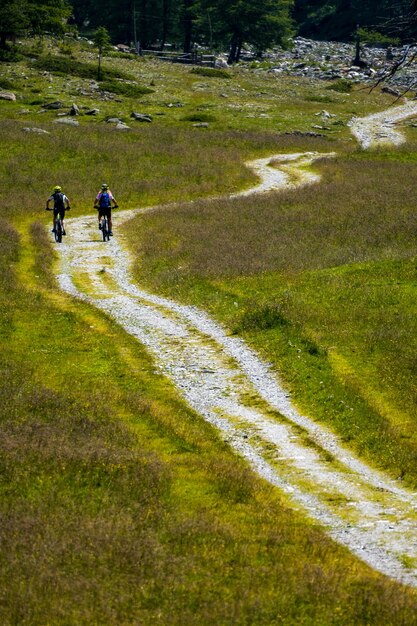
(391, 91)
(62, 114)
(53, 105)
(39, 131)
(74, 110)
(201, 125)
(175, 104)
(141, 117)
(67, 120)
(92, 112)
(325, 114)
(122, 126)
(114, 120)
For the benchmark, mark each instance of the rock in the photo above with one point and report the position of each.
(39, 131)
(201, 125)
(300, 133)
(74, 110)
(92, 112)
(391, 91)
(141, 117)
(114, 120)
(220, 64)
(324, 114)
(7, 95)
(67, 120)
(53, 105)
(122, 126)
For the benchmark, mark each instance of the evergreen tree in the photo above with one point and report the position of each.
(18, 16)
(101, 40)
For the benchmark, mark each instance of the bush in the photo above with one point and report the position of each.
(199, 117)
(124, 89)
(6, 84)
(261, 318)
(342, 85)
(211, 72)
(63, 66)
(11, 55)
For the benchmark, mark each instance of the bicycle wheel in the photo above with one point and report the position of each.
(58, 230)
(104, 228)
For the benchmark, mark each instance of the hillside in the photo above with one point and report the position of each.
(121, 503)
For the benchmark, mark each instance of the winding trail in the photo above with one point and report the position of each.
(231, 387)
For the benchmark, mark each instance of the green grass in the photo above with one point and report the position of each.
(118, 504)
(325, 289)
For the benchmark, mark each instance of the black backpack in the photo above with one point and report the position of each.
(59, 201)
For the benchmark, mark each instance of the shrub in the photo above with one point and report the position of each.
(124, 89)
(211, 72)
(199, 117)
(63, 66)
(261, 318)
(342, 85)
(10, 55)
(6, 84)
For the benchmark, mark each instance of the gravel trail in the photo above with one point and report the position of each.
(231, 387)
(379, 129)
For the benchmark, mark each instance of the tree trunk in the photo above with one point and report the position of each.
(233, 49)
(188, 26)
(239, 50)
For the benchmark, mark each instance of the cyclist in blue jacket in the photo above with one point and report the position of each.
(103, 203)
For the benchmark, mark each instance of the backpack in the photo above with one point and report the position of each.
(104, 202)
(59, 201)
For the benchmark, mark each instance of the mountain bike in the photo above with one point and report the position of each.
(104, 223)
(59, 229)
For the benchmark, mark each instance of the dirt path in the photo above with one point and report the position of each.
(227, 383)
(379, 129)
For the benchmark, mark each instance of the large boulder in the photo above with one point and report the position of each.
(141, 117)
(53, 105)
(7, 95)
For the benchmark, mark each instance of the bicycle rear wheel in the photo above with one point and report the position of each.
(58, 230)
(104, 228)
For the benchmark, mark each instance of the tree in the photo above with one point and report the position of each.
(102, 42)
(260, 23)
(20, 16)
(13, 20)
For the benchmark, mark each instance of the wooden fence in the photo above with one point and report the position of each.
(191, 58)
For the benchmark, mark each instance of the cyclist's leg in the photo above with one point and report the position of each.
(54, 219)
(62, 221)
(109, 218)
(100, 215)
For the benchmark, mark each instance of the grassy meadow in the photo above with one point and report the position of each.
(118, 504)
